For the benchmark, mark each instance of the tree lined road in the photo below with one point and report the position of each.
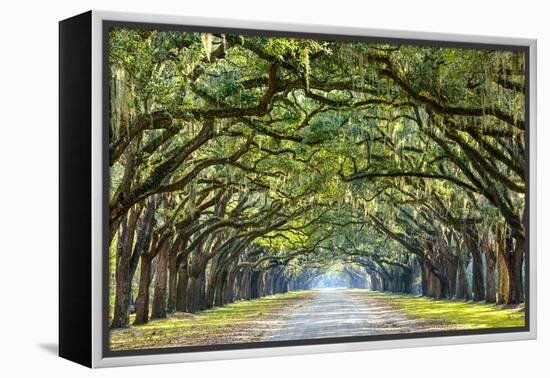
(336, 313)
(249, 167)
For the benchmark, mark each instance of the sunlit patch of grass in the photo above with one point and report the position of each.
(466, 315)
(235, 322)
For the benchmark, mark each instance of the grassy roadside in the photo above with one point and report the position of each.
(242, 321)
(466, 315)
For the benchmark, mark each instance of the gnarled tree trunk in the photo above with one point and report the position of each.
(478, 286)
(502, 270)
(159, 298)
(172, 279)
(181, 291)
(490, 258)
(142, 301)
(121, 317)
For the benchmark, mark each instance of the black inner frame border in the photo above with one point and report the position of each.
(107, 25)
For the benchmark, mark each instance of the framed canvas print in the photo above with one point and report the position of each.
(234, 189)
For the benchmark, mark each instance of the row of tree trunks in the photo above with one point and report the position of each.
(375, 281)
(195, 287)
(396, 279)
(496, 259)
(192, 282)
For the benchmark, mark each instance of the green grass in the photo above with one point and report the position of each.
(242, 321)
(467, 315)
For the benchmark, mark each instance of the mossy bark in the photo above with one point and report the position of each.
(121, 317)
(181, 290)
(142, 300)
(159, 299)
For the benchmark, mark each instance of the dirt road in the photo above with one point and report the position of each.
(341, 313)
